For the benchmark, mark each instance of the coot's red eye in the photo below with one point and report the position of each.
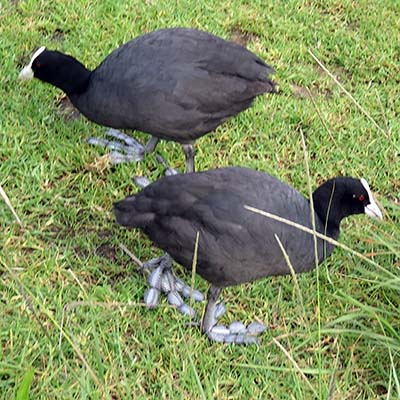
(38, 65)
(361, 197)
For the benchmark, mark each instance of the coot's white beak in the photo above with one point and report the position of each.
(27, 72)
(372, 209)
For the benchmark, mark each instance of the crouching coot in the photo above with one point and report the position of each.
(235, 244)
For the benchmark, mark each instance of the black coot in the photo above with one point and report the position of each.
(175, 84)
(235, 244)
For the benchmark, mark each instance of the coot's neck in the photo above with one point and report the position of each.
(329, 210)
(71, 76)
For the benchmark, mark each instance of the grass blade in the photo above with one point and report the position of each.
(23, 391)
(6, 199)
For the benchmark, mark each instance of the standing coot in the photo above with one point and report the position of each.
(235, 244)
(176, 84)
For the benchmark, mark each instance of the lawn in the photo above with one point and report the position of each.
(71, 299)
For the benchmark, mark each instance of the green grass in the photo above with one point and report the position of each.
(71, 300)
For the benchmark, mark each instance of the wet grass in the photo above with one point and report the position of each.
(71, 300)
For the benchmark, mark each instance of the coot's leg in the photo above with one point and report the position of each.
(127, 150)
(236, 332)
(143, 181)
(151, 145)
(209, 319)
(189, 151)
(168, 169)
(162, 279)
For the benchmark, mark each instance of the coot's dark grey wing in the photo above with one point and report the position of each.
(169, 47)
(215, 54)
(235, 245)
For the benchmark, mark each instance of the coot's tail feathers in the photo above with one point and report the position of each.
(128, 214)
(257, 88)
(124, 210)
(269, 86)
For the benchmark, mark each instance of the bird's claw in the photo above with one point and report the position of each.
(162, 279)
(128, 151)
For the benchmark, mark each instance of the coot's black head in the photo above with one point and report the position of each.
(343, 196)
(58, 69)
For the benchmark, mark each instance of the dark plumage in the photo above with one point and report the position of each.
(235, 244)
(176, 84)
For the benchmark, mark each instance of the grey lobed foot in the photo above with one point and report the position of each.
(163, 280)
(237, 333)
(127, 150)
